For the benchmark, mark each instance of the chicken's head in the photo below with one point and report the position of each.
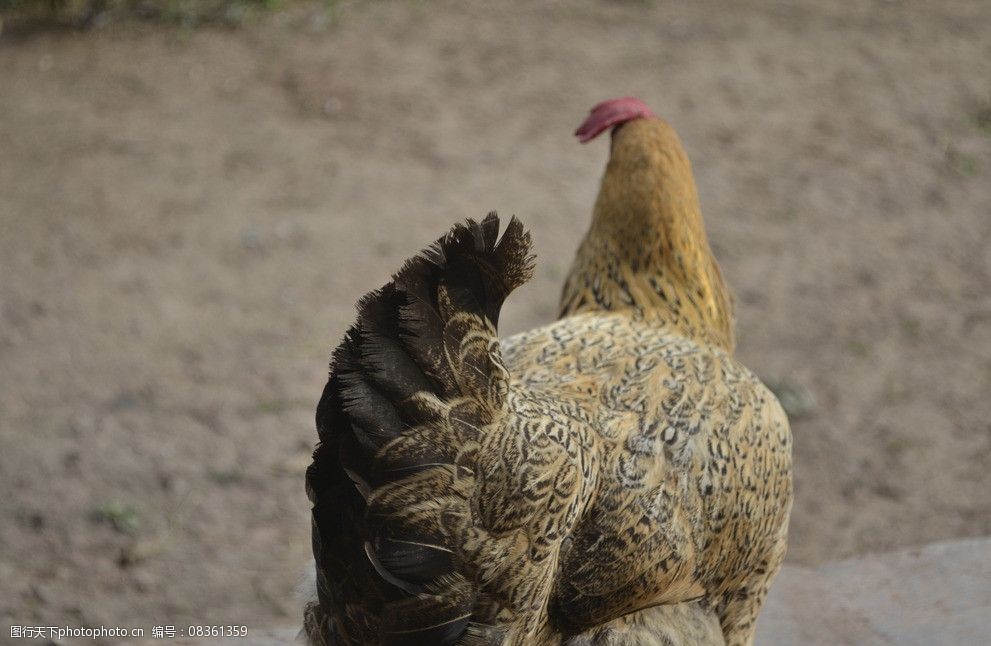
(613, 112)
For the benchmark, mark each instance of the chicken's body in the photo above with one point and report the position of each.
(569, 483)
(682, 448)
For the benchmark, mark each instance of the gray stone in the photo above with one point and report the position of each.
(938, 594)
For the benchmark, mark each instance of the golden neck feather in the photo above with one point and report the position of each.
(646, 248)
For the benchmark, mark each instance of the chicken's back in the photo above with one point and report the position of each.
(690, 456)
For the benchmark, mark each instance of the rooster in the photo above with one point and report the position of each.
(613, 477)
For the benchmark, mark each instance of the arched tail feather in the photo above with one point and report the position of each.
(417, 378)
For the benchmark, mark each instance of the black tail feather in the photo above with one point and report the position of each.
(403, 398)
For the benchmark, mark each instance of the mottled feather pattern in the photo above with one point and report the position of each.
(615, 477)
(646, 249)
(414, 386)
(691, 458)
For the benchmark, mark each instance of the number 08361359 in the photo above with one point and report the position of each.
(216, 631)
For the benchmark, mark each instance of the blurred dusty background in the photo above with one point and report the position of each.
(188, 212)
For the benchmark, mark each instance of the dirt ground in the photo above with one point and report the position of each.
(187, 217)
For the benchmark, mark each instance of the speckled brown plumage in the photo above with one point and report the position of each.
(647, 249)
(614, 475)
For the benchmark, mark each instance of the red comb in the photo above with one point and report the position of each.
(611, 113)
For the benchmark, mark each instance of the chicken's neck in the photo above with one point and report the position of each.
(646, 249)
